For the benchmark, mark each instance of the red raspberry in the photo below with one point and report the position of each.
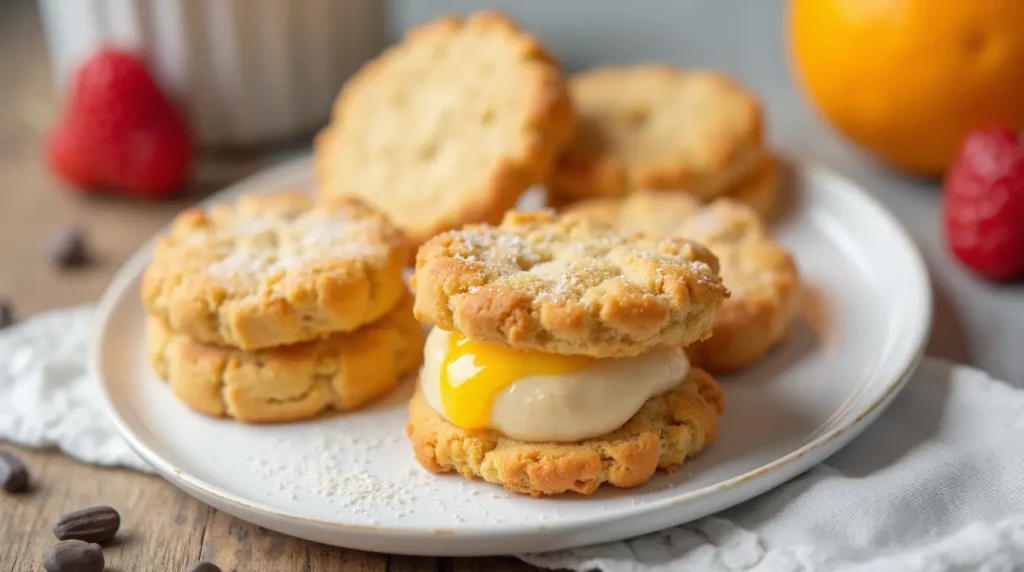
(119, 132)
(983, 206)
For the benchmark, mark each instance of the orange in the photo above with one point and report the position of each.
(908, 79)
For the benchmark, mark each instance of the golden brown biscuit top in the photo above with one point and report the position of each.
(567, 286)
(265, 241)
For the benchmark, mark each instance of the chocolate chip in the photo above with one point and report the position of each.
(205, 567)
(73, 556)
(71, 249)
(13, 473)
(96, 524)
(6, 313)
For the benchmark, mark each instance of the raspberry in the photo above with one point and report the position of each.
(983, 205)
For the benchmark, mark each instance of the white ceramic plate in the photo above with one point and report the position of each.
(351, 480)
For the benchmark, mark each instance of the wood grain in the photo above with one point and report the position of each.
(162, 529)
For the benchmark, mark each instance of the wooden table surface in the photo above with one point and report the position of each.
(162, 528)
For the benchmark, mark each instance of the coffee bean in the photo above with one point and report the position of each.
(73, 556)
(13, 473)
(205, 567)
(94, 524)
(71, 249)
(6, 313)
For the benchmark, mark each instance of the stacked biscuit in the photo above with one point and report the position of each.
(278, 307)
(556, 362)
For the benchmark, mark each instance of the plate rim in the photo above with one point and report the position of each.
(766, 476)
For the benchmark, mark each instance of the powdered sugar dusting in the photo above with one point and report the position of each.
(261, 246)
(499, 248)
(336, 471)
(561, 264)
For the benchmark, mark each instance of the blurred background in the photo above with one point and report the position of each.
(976, 322)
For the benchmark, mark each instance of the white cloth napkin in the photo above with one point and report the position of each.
(46, 396)
(935, 485)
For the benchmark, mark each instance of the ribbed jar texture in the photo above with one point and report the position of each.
(245, 71)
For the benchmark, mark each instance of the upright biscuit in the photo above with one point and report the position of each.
(567, 287)
(450, 126)
(667, 430)
(760, 274)
(653, 126)
(275, 269)
(288, 383)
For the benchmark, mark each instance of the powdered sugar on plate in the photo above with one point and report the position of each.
(338, 470)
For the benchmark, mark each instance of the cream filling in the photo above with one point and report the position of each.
(564, 408)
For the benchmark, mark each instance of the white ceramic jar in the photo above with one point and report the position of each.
(245, 71)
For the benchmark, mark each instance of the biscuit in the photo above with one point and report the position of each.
(450, 126)
(288, 383)
(760, 274)
(567, 287)
(653, 126)
(665, 431)
(275, 269)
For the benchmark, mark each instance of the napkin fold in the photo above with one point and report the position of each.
(935, 485)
